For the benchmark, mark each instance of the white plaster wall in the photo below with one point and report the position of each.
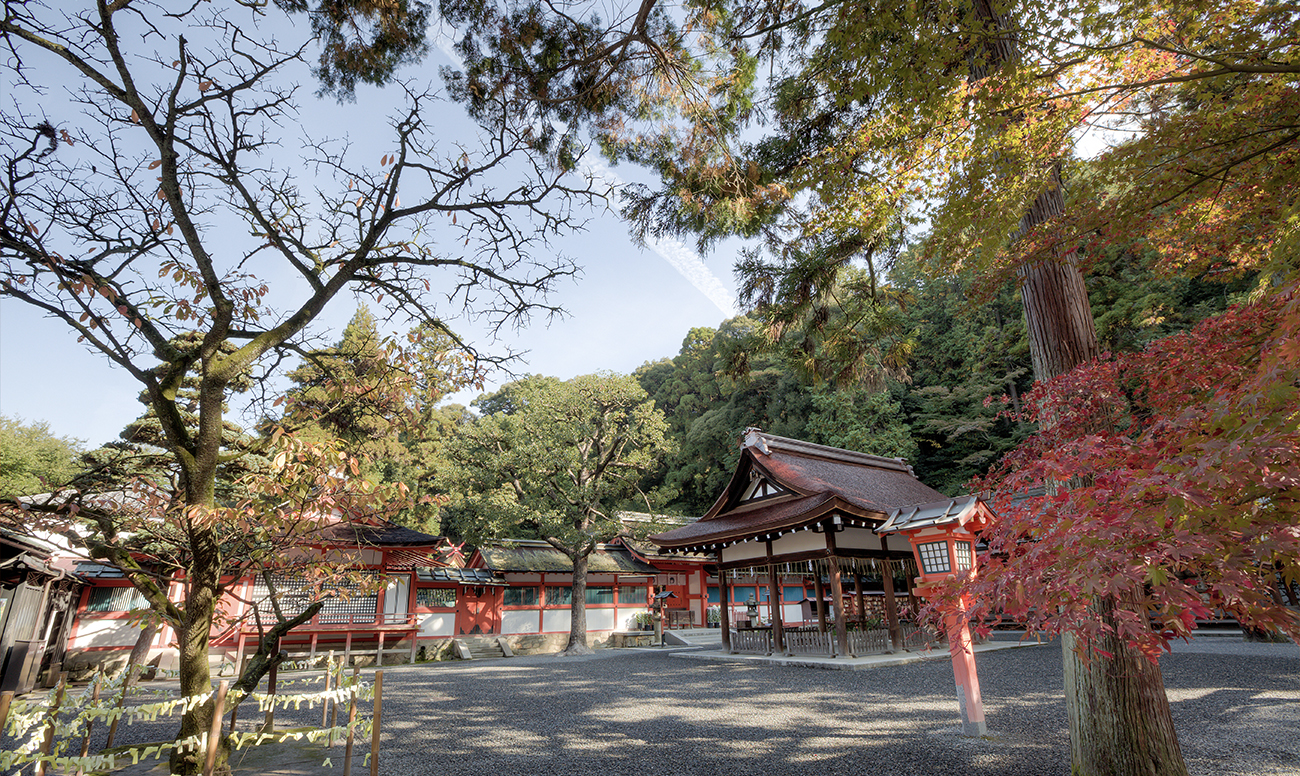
(791, 612)
(441, 624)
(104, 633)
(799, 541)
(858, 539)
(519, 621)
(625, 616)
(744, 551)
(600, 619)
(556, 620)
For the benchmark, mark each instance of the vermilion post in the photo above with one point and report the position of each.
(963, 671)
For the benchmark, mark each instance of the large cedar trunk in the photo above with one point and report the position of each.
(578, 610)
(1120, 721)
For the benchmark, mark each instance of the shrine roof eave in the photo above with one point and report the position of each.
(751, 524)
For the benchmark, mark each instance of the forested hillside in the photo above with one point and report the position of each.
(949, 410)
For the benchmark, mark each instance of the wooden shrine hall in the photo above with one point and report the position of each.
(795, 509)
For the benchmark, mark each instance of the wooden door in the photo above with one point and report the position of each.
(478, 611)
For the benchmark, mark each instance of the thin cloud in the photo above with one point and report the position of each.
(672, 250)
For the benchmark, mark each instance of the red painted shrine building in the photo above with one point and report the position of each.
(786, 560)
(793, 538)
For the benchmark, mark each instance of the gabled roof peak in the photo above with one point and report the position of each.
(764, 444)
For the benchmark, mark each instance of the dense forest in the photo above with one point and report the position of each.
(950, 406)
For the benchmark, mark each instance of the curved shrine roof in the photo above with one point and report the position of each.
(815, 480)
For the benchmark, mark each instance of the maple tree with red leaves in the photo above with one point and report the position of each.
(1177, 490)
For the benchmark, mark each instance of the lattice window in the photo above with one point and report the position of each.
(634, 595)
(600, 595)
(435, 597)
(934, 557)
(294, 594)
(963, 552)
(115, 599)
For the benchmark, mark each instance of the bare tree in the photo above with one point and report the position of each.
(153, 205)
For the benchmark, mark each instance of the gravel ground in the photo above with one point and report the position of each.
(1236, 707)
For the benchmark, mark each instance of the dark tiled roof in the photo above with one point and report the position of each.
(540, 556)
(382, 535)
(462, 576)
(741, 523)
(821, 478)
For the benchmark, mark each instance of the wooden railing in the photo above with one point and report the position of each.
(869, 642)
(752, 642)
(810, 641)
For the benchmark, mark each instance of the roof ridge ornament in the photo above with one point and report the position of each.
(754, 438)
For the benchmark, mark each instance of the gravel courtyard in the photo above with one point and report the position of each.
(1237, 708)
(628, 712)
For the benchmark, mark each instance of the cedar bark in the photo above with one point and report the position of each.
(1120, 721)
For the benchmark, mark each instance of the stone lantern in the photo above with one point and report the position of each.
(943, 537)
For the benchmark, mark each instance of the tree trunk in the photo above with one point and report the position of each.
(578, 610)
(196, 679)
(1120, 722)
(140, 652)
(202, 590)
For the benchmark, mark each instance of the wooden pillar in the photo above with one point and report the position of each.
(724, 598)
(347, 649)
(379, 653)
(891, 603)
(891, 609)
(862, 602)
(837, 592)
(774, 596)
(311, 656)
(820, 592)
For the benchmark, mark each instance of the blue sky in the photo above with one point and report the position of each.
(630, 305)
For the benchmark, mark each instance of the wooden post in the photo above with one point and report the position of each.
(269, 724)
(311, 655)
(239, 658)
(379, 653)
(891, 602)
(90, 723)
(724, 596)
(411, 658)
(837, 592)
(819, 591)
(352, 723)
(214, 732)
(374, 723)
(347, 649)
(54, 720)
(334, 705)
(862, 601)
(774, 599)
(121, 701)
(325, 707)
